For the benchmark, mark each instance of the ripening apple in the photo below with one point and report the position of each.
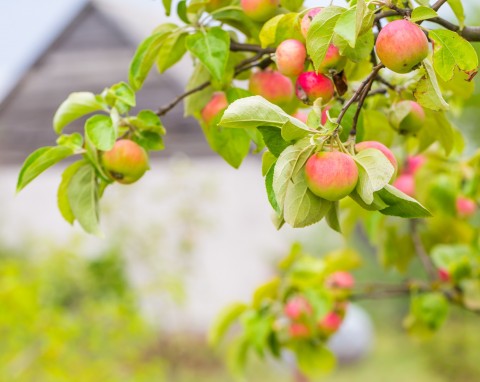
(260, 10)
(333, 60)
(331, 175)
(330, 323)
(307, 19)
(379, 146)
(271, 85)
(406, 184)
(415, 118)
(312, 85)
(341, 280)
(298, 330)
(297, 307)
(401, 45)
(290, 57)
(126, 162)
(443, 275)
(217, 104)
(413, 163)
(466, 207)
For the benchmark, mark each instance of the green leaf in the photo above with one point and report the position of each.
(195, 102)
(256, 111)
(288, 27)
(301, 207)
(74, 141)
(272, 137)
(349, 24)
(363, 47)
(270, 192)
(212, 49)
(314, 361)
(149, 140)
(451, 51)
(268, 33)
(171, 51)
(457, 8)
(146, 54)
(422, 13)
(147, 120)
(289, 163)
(266, 291)
(235, 17)
(291, 5)
(122, 92)
(39, 161)
(167, 4)
(320, 33)
(439, 128)
(427, 92)
(375, 171)
(100, 131)
(83, 199)
(428, 312)
(223, 321)
(182, 11)
(268, 160)
(400, 204)
(332, 218)
(62, 195)
(75, 106)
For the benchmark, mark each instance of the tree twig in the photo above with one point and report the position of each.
(421, 253)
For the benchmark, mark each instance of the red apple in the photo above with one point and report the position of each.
(331, 175)
(126, 162)
(330, 323)
(465, 207)
(311, 85)
(341, 279)
(217, 104)
(413, 163)
(406, 184)
(414, 120)
(307, 20)
(291, 55)
(272, 85)
(401, 45)
(332, 61)
(299, 330)
(297, 307)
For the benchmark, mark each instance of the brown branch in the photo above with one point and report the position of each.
(245, 65)
(239, 47)
(367, 83)
(421, 252)
(438, 5)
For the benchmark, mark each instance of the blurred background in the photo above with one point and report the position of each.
(190, 237)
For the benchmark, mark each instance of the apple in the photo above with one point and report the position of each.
(126, 162)
(415, 118)
(290, 57)
(332, 61)
(296, 307)
(330, 323)
(413, 163)
(401, 45)
(260, 10)
(217, 104)
(298, 330)
(406, 184)
(312, 85)
(331, 175)
(443, 275)
(340, 279)
(466, 207)
(272, 85)
(307, 20)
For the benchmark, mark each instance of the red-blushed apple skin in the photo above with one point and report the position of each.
(331, 175)
(301, 116)
(340, 279)
(465, 207)
(330, 323)
(332, 61)
(307, 20)
(297, 307)
(443, 275)
(217, 104)
(291, 55)
(406, 184)
(413, 163)
(272, 85)
(401, 45)
(126, 162)
(414, 120)
(260, 10)
(298, 330)
(379, 146)
(310, 86)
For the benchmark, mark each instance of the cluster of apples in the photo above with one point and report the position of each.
(300, 313)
